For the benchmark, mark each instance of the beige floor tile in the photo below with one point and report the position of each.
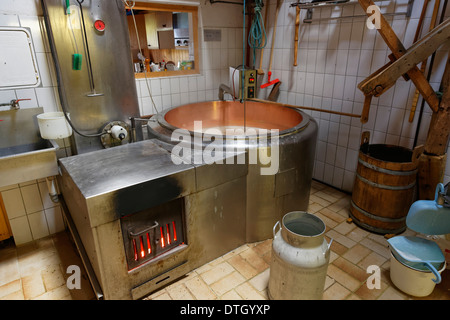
(263, 248)
(254, 260)
(17, 295)
(59, 293)
(351, 269)
(314, 207)
(382, 250)
(53, 277)
(9, 269)
(356, 253)
(217, 272)
(330, 223)
(261, 281)
(332, 215)
(11, 287)
(324, 203)
(347, 242)
(199, 289)
(235, 252)
(32, 285)
(179, 292)
(366, 293)
(344, 227)
(328, 196)
(336, 292)
(156, 294)
(357, 234)
(392, 294)
(248, 292)
(227, 283)
(231, 295)
(372, 258)
(164, 296)
(340, 204)
(343, 278)
(328, 282)
(241, 265)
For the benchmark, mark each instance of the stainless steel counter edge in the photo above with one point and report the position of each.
(123, 180)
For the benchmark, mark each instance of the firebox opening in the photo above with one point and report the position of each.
(155, 232)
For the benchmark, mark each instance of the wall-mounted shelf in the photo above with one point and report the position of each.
(309, 6)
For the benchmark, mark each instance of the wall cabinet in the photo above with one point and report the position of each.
(164, 21)
(151, 30)
(5, 229)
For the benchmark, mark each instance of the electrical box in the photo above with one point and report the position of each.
(249, 78)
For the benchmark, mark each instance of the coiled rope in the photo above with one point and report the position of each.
(257, 38)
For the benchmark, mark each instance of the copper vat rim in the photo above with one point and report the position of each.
(304, 118)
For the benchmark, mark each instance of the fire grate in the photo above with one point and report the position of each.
(151, 234)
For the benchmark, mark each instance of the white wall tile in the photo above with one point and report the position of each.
(328, 174)
(9, 20)
(54, 219)
(331, 154)
(184, 85)
(38, 225)
(46, 99)
(174, 85)
(13, 202)
(165, 86)
(32, 198)
(21, 230)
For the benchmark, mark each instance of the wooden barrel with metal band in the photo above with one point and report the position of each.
(384, 186)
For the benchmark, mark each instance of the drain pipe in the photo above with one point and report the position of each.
(51, 186)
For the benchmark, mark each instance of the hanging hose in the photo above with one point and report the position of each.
(257, 38)
(61, 93)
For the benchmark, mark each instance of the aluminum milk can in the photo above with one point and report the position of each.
(300, 257)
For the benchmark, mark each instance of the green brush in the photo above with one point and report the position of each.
(76, 61)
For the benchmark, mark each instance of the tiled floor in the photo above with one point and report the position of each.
(38, 270)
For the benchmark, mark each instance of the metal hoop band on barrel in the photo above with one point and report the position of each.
(383, 186)
(371, 216)
(387, 171)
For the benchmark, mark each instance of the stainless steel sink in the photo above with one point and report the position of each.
(24, 155)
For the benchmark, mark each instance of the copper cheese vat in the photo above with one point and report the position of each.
(269, 196)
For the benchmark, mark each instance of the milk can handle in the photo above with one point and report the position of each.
(274, 227)
(329, 243)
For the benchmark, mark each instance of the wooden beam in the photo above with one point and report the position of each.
(398, 50)
(439, 132)
(432, 161)
(384, 78)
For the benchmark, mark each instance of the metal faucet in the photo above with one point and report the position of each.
(223, 88)
(13, 103)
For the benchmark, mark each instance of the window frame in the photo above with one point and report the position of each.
(173, 8)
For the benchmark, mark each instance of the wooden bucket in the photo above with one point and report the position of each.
(384, 186)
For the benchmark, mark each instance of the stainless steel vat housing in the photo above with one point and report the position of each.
(100, 187)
